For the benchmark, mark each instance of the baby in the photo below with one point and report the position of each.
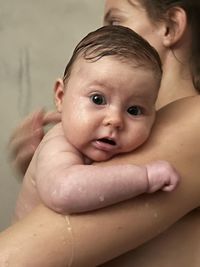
(107, 103)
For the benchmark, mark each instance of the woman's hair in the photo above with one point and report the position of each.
(157, 10)
(120, 42)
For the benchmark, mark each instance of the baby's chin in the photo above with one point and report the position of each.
(100, 157)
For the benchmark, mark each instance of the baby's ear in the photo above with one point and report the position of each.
(59, 94)
(176, 25)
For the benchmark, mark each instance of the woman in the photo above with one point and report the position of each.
(49, 239)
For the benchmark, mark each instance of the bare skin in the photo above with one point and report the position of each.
(29, 134)
(161, 211)
(178, 246)
(58, 175)
(111, 232)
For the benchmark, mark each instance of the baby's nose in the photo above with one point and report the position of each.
(114, 119)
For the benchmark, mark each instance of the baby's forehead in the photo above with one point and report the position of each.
(131, 62)
(111, 70)
(109, 62)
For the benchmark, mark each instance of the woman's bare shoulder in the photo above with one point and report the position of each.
(177, 125)
(175, 137)
(182, 108)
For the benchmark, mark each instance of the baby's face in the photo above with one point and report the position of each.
(108, 107)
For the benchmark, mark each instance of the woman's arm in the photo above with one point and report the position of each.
(48, 239)
(27, 136)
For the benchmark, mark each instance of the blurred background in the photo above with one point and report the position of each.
(37, 38)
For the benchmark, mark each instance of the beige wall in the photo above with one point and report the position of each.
(36, 39)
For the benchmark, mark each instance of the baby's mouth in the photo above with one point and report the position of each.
(107, 141)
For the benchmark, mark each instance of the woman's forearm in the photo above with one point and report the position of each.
(40, 239)
(47, 239)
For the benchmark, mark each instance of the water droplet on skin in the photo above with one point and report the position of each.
(64, 241)
(33, 182)
(155, 215)
(5, 262)
(80, 189)
(69, 228)
(101, 198)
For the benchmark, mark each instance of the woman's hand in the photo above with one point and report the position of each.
(27, 136)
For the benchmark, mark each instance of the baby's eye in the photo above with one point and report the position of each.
(135, 110)
(98, 99)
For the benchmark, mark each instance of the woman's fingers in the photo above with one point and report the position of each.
(51, 117)
(22, 159)
(27, 136)
(27, 133)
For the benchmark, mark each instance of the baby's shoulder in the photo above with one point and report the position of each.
(55, 143)
(55, 140)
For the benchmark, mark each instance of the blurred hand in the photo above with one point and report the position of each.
(27, 136)
(161, 175)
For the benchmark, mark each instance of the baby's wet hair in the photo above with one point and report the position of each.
(119, 42)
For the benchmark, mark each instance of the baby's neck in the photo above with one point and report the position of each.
(87, 161)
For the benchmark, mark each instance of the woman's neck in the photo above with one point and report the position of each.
(176, 82)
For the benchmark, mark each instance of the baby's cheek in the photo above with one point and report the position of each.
(138, 137)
